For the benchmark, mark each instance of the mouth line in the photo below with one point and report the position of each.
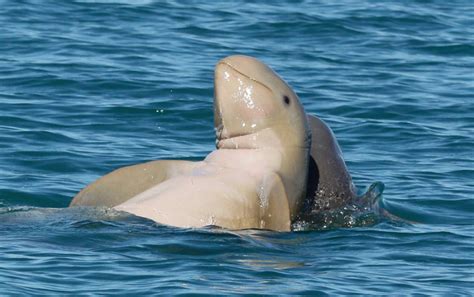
(245, 75)
(220, 137)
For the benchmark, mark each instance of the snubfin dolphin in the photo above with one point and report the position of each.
(255, 179)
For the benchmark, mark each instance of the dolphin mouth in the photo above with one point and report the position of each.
(223, 133)
(224, 136)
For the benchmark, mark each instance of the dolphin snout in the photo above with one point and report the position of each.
(244, 65)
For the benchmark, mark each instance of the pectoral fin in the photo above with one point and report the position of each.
(275, 211)
(124, 183)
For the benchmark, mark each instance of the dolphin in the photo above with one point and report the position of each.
(329, 184)
(256, 178)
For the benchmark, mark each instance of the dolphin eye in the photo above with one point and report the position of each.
(286, 99)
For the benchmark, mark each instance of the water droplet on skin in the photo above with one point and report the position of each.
(211, 221)
(263, 201)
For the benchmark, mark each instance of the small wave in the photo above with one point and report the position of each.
(128, 2)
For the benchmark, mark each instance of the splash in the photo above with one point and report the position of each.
(364, 210)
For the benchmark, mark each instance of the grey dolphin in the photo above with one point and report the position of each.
(329, 183)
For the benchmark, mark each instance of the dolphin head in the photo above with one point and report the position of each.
(255, 109)
(250, 99)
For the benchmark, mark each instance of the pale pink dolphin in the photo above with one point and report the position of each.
(256, 178)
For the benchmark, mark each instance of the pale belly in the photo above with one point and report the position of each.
(226, 198)
(224, 191)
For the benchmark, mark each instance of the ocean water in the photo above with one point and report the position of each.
(90, 86)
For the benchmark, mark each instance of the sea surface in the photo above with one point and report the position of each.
(90, 86)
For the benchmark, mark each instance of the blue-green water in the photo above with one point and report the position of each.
(90, 86)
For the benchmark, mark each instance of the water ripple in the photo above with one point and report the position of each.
(90, 86)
